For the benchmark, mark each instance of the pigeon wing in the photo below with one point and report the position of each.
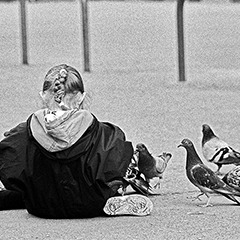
(226, 155)
(212, 149)
(147, 165)
(206, 178)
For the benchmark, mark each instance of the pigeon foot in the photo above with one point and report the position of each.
(206, 205)
(194, 198)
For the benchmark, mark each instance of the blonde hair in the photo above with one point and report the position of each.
(63, 89)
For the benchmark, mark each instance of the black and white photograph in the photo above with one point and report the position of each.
(120, 119)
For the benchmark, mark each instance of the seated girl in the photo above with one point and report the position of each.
(64, 163)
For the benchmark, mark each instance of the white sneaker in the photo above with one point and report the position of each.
(133, 204)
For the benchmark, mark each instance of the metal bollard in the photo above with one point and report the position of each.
(180, 29)
(85, 35)
(24, 31)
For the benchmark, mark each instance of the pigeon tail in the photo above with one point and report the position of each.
(230, 197)
(234, 153)
(162, 162)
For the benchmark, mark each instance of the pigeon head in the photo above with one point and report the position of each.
(192, 156)
(141, 147)
(186, 143)
(206, 128)
(207, 133)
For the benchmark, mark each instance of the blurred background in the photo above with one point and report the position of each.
(134, 68)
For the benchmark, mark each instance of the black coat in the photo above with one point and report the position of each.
(68, 184)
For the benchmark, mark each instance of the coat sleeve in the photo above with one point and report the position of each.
(12, 155)
(110, 154)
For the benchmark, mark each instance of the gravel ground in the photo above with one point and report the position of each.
(134, 84)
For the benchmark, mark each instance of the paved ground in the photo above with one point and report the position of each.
(134, 85)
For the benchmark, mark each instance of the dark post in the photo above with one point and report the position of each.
(85, 35)
(24, 31)
(180, 29)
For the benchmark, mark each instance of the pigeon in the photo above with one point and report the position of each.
(216, 150)
(151, 166)
(204, 178)
(138, 184)
(134, 180)
(232, 178)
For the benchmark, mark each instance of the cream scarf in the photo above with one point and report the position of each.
(62, 131)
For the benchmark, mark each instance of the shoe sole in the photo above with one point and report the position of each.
(134, 204)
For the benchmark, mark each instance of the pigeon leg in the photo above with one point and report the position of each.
(218, 170)
(197, 197)
(207, 204)
(158, 185)
(124, 189)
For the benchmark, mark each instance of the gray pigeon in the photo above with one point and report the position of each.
(232, 178)
(216, 150)
(204, 178)
(149, 165)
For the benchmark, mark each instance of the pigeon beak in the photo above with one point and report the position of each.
(180, 145)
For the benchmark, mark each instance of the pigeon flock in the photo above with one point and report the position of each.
(204, 178)
(145, 167)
